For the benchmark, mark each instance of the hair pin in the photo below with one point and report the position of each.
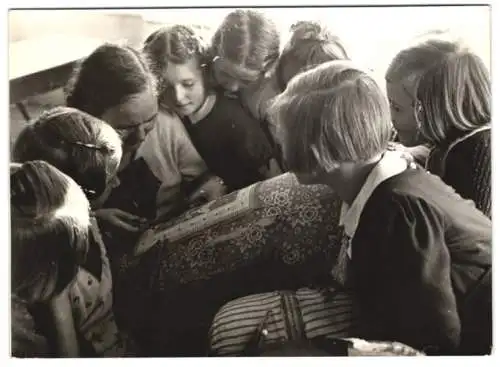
(87, 145)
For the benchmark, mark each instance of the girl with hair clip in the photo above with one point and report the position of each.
(453, 113)
(402, 77)
(61, 282)
(230, 142)
(421, 272)
(114, 83)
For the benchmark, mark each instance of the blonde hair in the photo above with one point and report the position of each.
(330, 114)
(247, 38)
(49, 234)
(454, 97)
(82, 146)
(426, 50)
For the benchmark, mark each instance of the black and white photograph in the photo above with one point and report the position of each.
(249, 181)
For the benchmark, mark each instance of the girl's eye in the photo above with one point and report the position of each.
(188, 84)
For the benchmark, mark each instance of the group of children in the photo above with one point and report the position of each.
(147, 134)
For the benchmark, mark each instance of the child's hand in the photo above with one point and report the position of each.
(121, 219)
(210, 190)
(418, 153)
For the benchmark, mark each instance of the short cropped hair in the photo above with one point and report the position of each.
(455, 97)
(311, 43)
(330, 114)
(108, 77)
(49, 234)
(247, 38)
(83, 147)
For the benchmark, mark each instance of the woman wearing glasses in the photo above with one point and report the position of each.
(115, 85)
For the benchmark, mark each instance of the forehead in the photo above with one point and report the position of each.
(398, 92)
(187, 71)
(134, 111)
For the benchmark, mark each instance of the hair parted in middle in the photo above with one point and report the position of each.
(247, 38)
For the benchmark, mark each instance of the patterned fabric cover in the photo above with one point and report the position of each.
(276, 234)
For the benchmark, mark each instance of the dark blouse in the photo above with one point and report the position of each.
(422, 269)
(232, 143)
(136, 195)
(465, 165)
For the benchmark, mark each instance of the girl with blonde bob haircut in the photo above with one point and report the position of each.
(416, 255)
(321, 97)
(454, 114)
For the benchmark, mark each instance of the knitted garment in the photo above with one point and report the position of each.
(465, 165)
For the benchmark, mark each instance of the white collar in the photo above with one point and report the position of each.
(391, 164)
(204, 110)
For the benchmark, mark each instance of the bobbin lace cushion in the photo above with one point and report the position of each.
(272, 235)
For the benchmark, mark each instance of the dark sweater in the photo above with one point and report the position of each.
(418, 267)
(466, 167)
(232, 143)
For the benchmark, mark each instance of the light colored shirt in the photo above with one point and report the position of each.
(171, 156)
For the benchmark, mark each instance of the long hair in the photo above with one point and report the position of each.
(330, 114)
(454, 97)
(425, 51)
(83, 147)
(107, 78)
(49, 230)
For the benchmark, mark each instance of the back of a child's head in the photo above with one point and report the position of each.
(247, 38)
(425, 51)
(310, 44)
(330, 114)
(82, 146)
(108, 77)
(454, 96)
(49, 230)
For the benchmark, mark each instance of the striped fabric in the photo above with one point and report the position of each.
(284, 315)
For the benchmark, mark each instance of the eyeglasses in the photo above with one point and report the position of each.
(148, 125)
